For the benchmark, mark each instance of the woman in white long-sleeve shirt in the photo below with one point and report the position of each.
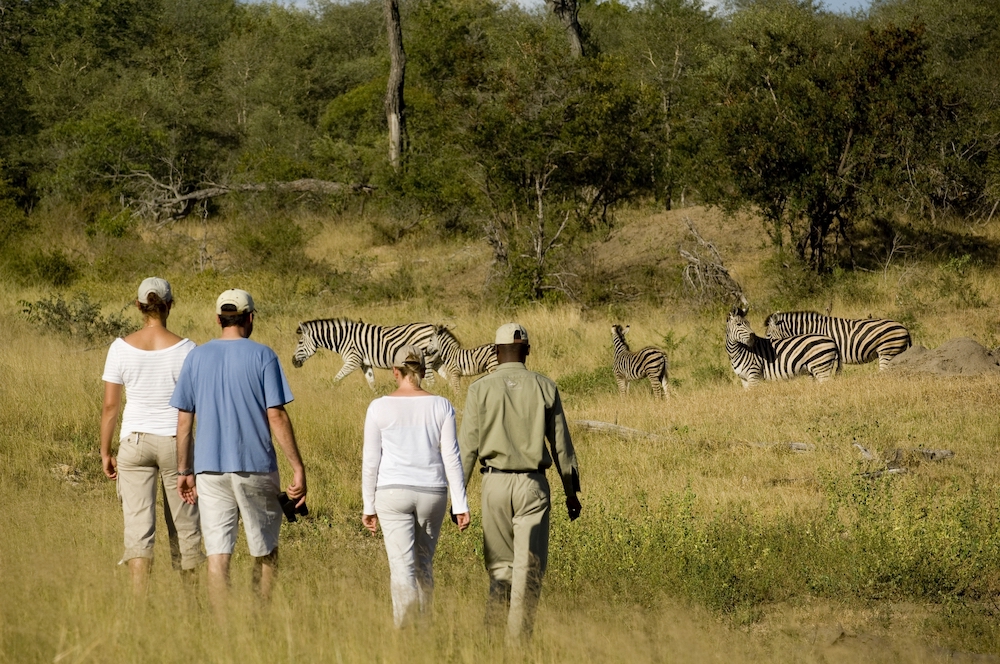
(410, 462)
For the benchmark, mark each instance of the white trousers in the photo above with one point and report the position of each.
(411, 522)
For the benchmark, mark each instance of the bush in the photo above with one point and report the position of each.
(54, 268)
(78, 317)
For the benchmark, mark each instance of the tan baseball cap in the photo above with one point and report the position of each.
(408, 355)
(511, 333)
(161, 287)
(237, 298)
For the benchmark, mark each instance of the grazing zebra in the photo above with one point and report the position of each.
(361, 345)
(452, 361)
(858, 340)
(758, 358)
(648, 363)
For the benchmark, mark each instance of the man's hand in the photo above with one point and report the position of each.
(370, 522)
(297, 489)
(461, 520)
(573, 506)
(186, 489)
(110, 465)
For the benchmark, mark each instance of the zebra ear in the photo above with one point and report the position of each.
(625, 331)
(298, 330)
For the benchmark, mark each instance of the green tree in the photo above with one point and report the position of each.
(819, 126)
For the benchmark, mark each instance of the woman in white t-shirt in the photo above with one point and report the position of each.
(146, 363)
(410, 461)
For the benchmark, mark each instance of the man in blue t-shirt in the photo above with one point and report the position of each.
(238, 392)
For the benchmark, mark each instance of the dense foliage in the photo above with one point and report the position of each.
(834, 128)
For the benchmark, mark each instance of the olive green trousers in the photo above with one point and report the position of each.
(516, 546)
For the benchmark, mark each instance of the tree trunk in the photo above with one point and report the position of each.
(566, 11)
(394, 106)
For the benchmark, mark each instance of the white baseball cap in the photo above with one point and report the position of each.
(154, 285)
(511, 333)
(408, 355)
(237, 298)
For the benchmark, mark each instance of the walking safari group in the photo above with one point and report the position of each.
(204, 423)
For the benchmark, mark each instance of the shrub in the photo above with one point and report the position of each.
(78, 317)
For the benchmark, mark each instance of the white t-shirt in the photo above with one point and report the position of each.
(149, 377)
(411, 442)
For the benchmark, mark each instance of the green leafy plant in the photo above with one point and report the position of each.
(77, 317)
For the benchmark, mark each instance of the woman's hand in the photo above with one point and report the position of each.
(370, 522)
(110, 465)
(462, 521)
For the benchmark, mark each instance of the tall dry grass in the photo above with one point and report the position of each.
(710, 541)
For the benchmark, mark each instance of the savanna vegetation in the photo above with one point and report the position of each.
(832, 161)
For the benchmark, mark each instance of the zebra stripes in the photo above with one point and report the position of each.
(452, 361)
(648, 363)
(859, 341)
(756, 358)
(361, 345)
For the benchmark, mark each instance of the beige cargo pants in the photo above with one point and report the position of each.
(516, 546)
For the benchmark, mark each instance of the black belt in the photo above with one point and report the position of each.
(485, 470)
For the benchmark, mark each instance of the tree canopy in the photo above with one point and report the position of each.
(829, 126)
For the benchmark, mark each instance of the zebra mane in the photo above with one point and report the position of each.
(342, 319)
(444, 330)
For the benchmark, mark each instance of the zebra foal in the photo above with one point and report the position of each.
(361, 345)
(858, 340)
(756, 358)
(452, 361)
(648, 363)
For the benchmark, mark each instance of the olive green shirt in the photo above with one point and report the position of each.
(509, 415)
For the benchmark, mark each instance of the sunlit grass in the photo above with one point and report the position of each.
(709, 540)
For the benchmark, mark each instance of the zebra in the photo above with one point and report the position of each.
(452, 361)
(858, 340)
(756, 358)
(361, 345)
(649, 362)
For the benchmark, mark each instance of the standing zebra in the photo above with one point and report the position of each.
(757, 358)
(649, 362)
(859, 341)
(452, 361)
(361, 345)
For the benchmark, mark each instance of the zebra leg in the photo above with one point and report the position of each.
(454, 381)
(622, 384)
(654, 382)
(823, 371)
(370, 376)
(350, 364)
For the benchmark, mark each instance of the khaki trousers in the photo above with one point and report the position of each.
(516, 544)
(142, 459)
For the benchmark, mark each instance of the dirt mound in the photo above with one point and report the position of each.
(956, 357)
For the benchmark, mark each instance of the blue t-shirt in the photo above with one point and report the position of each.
(229, 384)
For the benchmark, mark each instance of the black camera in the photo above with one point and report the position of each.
(289, 508)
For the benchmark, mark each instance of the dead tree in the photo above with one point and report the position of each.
(165, 201)
(394, 105)
(706, 275)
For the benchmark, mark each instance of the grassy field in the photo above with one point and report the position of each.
(710, 541)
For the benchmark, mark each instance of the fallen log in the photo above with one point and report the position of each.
(614, 429)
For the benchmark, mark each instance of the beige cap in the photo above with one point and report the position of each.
(237, 298)
(511, 333)
(408, 355)
(154, 285)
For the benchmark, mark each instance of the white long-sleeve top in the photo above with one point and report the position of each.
(411, 442)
